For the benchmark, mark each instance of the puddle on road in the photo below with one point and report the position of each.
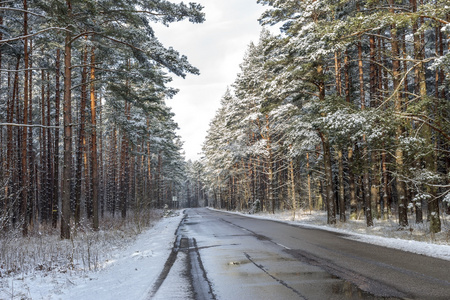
(310, 282)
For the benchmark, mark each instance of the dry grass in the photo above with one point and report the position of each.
(44, 251)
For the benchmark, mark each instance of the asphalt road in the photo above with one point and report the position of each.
(230, 256)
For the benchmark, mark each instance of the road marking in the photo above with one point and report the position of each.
(287, 248)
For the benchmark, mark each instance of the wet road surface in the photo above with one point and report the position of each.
(228, 256)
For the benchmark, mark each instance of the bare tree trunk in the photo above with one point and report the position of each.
(271, 197)
(342, 217)
(310, 204)
(124, 174)
(67, 169)
(32, 169)
(337, 71)
(149, 170)
(347, 77)
(94, 163)
(56, 152)
(81, 140)
(352, 187)
(366, 183)
(49, 179)
(45, 203)
(402, 201)
(331, 204)
(114, 175)
(292, 181)
(375, 188)
(386, 202)
(25, 182)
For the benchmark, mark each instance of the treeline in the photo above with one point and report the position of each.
(84, 128)
(346, 110)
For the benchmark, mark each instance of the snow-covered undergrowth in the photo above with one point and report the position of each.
(44, 255)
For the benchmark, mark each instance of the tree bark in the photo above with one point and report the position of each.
(67, 169)
(292, 181)
(310, 204)
(81, 139)
(331, 204)
(25, 181)
(352, 187)
(55, 198)
(94, 163)
(366, 180)
(342, 216)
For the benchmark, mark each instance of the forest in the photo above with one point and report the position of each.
(345, 110)
(84, 129)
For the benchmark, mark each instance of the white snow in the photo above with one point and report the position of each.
(130, 271)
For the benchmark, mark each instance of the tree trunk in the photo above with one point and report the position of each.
(124, 177)
(347, 77)
(292, 181)
(310, 204)
(270, 183)
(56, 152)
(49, 168)
(149, 170)
(114, 177)
(94, 162)
(45, 203)
(331, 206)
(366, 183)
(352, 187)
(375, 188)
(402, 201)
(67, 169)
(81, 140)
(337, 71)
(386, 202)
(25, 182)
(342, 217)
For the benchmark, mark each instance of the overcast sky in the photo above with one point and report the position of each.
(216, 47)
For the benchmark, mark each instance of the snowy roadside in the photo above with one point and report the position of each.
(128, 275)
(130, 271)
(384, 233)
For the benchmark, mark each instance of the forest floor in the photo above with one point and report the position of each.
(126, 260)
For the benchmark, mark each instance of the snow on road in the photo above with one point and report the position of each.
(133, 270)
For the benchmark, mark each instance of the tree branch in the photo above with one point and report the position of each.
(417, 118)
(22, 10)
(29, 125)
(31, 35)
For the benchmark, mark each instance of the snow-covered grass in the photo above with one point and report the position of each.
(43, 257)
(415, 238)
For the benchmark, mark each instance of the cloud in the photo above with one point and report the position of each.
(216, 47)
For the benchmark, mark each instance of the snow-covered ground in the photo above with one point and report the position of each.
(129, 269)
(127, 272)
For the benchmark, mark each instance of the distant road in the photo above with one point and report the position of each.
(234, 257)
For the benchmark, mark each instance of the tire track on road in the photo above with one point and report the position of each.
(200, 284)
